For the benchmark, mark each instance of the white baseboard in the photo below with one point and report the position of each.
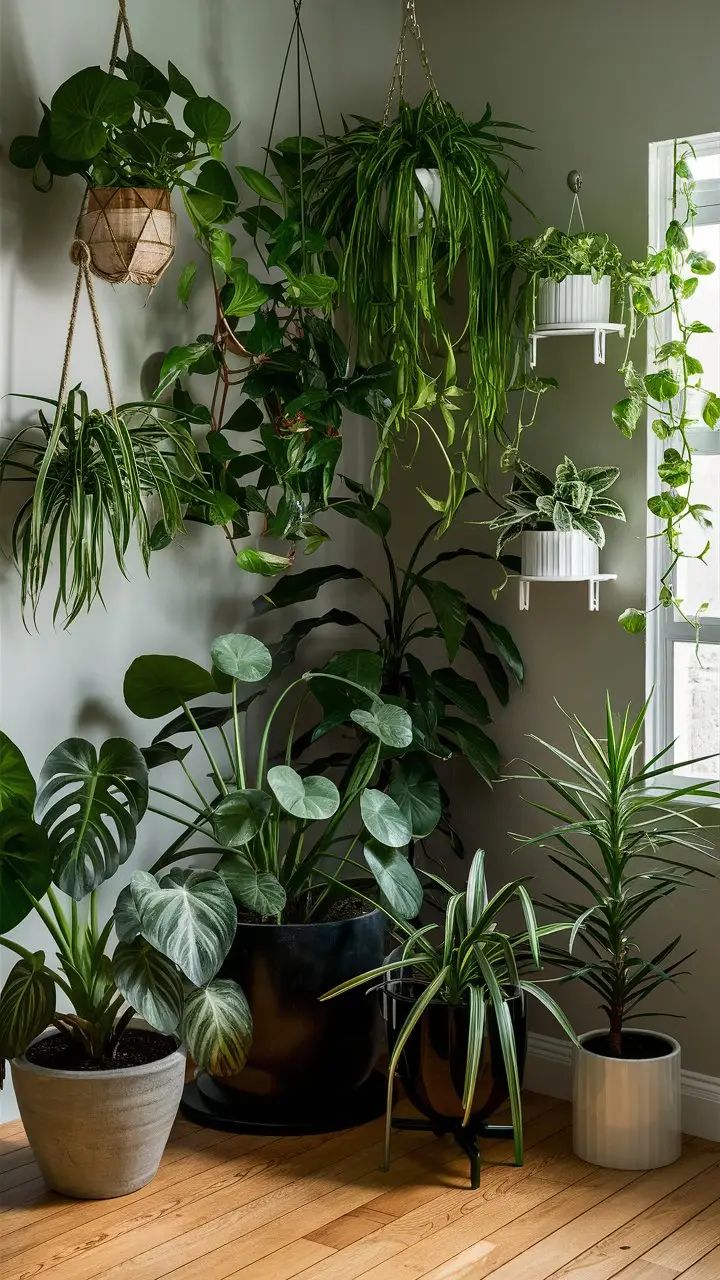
(547, 1070)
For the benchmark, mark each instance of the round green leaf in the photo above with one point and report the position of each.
(259, 891)
(150, 983)
(217, 1027)
(390, 724)
(27, 1005)
(308, 798)
(17, 786)
(90, 804)
(633, 620)
(415, 788)
(396, 878)
(83, 107)
(208, 119)
(242, 657)
(384, 819)
(157, 684)
(189, 916)
(25, 863)
(239, 816)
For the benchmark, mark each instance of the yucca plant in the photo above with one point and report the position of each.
(615, 807)
(469, 960)
(91, 472)
(400, 260)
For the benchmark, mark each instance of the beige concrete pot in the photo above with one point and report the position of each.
(97, 1134)
(627, 1111)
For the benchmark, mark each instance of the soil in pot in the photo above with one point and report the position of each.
(135, 1048)
(636, 1046)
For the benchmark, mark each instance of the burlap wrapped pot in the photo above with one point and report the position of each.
(130, 232)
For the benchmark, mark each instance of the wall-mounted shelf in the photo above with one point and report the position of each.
(593, 588)
(573, 330)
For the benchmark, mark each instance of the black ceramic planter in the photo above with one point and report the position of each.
(310, 1066)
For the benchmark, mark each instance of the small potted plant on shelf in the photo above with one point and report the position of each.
(283, 842)
(560, 519)
(616, 835)
(567, 279)
(97, 1087)
(117, 132)
(456, 1012)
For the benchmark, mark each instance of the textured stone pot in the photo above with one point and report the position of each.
(97, 1134)
(558, 555)
(574, 300)
(627, 1111)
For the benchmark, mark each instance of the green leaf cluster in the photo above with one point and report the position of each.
(571, 500)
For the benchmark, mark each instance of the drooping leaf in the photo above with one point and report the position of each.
(186, 282)
(156, 684)
(27, 1005)
(310, 290)
(217, 1027)
(82, 109)
(450, 609)
(150, 983)
(17, 785)
(25, 864)
(179, 361)
(476, 746)
(259, 891)
(238, 816)
(397, 880)
(126, 916)
(207, 119)
(415, 789)
(309, 798)
(189, 916)
(662, 385)
(89, 804)
(298, 587)
(463, 694)
(391, 724)
(160, 753)
(283, 651)
(502, 641)
(242, 657)
(377, 518)
(247, 295)
(260, 184)
(384, 819)
(265, 563)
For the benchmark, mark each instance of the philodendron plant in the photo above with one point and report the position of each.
(59, 842)
(573, 500)
(282, 841)
(554, 255)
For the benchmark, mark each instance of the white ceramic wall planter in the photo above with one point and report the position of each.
(558, 555)
(576, 300)
(627, 1111)
(97, 1134)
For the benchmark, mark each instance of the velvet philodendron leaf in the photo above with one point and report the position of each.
(27, 1005)
(217, 1027)
(258, 891)
(189, 916)
(90, 804)
(150, 982)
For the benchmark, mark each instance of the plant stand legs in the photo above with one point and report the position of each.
(466, 1139)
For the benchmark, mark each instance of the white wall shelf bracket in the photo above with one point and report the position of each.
(598, 332)
(593, 589)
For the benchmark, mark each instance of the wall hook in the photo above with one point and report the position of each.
(574, 181)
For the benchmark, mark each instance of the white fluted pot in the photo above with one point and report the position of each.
(558, 555)
(627, 1111)
(574, 300)
(97, 1134)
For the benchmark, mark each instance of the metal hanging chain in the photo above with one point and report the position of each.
(409, 24)
(122, 26)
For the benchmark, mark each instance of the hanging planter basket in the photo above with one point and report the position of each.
(129, 231)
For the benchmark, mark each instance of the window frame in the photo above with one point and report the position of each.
(664, 627)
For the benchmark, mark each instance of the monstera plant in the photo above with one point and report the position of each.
(59, 842)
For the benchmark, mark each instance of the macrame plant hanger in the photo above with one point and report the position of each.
(409, 26)
(129, 231)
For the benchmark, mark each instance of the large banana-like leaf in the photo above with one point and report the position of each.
(90, 805)
(150, 983)
(189, 916)
(27, 1005)
(25, 864)
(217, 1027)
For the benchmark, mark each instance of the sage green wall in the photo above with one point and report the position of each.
(595, 82)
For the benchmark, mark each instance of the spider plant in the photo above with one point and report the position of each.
(613, 805)
(469, 960)
(91, 472)
(397, 270)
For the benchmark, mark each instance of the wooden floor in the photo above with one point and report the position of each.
(266, 1209)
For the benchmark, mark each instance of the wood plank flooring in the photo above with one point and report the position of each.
(225, 1207)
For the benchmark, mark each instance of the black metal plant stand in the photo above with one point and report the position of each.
(466, 1138)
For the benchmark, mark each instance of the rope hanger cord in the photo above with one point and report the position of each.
(409, 24)
(81, 255)
(122, 26)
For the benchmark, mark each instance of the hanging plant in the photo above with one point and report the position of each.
(555, 256)
(672, 392)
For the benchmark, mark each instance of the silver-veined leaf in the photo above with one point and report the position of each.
(189, 916)
(390, 724)
(150, 983)
(384, 819)
(217, 1027)
(259, 891)
(27, 1005)
(239, 815)
(242, 657)
(309, 798)
(397, 880)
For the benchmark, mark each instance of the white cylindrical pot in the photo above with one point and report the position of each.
(559, 555)
(429, 180)
(627, 1111)
(97, 1134)
(574, 300)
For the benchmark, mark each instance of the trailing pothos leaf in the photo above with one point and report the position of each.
(672, 391)
(448, 712)
(280, 838)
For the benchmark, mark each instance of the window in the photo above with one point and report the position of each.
(686, 675)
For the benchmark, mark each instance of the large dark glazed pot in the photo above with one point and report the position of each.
(432, 1065)
(310, 1065)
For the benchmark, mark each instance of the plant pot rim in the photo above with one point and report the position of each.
(309, 924)
(22, 1063)
(125, 186)
(561, 533)
(577, 275)
(636, 1031)
(389, 983)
